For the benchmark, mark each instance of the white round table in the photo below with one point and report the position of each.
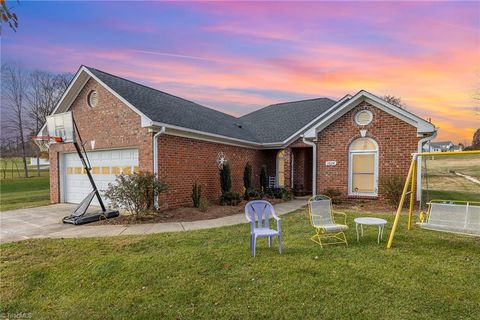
(370, 222)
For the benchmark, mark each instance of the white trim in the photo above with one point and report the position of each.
(338, 103)
(328, 115)
(65, 94)
(147, 122)
(422, 126)
(115, 93)
(375, 169)
(211, 137)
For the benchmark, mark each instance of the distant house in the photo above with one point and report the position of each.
(442, 146)
(42, 162)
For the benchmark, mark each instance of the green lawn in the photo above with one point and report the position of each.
(209, 274)
(24, 192)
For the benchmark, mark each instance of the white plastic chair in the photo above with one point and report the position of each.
(258, 213)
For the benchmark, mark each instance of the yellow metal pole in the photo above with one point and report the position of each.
(400, 205)
(412, 194)
(458, 153)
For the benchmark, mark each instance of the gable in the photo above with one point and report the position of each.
(421, 125)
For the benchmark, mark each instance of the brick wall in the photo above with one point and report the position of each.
(302, 169)
(111, 124)
(182, 161)
(396, 140)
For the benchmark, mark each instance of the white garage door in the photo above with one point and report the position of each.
(105, 166)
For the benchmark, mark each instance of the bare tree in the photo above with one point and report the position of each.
(45, 90)
(396, 101)
(13, 91)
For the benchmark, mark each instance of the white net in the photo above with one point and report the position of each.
(43, 142)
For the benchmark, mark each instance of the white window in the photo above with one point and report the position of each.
(363, 167)
(364, 117)
(93, 99)
(281, 168)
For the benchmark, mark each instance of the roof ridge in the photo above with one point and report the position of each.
(287, 102)
(295, 101)
(169, 94)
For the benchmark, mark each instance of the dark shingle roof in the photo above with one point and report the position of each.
(166, 108)
(277, 122)
(274, 123)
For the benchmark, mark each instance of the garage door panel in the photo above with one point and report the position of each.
(105, 166)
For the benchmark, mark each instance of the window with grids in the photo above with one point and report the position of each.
(363, 167)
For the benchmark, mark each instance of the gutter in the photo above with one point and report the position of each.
(314, 164)
(421, 142)
(155, 157)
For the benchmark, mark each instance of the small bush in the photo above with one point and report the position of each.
(253, 194)
(203, 205)
(264, 178)
(392, 188)
(247, 176)
(196, 194)
(279, 193)
(225, 178)
(230, 198)
(334, 194)
(135, 193)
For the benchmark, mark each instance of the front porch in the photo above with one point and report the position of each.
(292, 168)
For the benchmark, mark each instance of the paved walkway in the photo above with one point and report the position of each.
(45, 222)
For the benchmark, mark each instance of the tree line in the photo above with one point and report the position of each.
(28, 97)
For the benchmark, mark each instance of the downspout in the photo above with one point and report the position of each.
(155, 157)
(421, 142)
(314, 164)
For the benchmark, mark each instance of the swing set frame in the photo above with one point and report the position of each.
(409, 188)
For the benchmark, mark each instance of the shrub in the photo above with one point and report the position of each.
(247, 176)
(279, 193)
(263, 178)
(253, 194)
(135, 193)
(196, 194)
(203, 205)
(230, 198)
(334, 194)
(225, 179)
(392, 188)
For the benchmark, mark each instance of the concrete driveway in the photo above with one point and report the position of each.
(46, 222)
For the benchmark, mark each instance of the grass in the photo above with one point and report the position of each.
(443, 184)
(20, 192)
(209, 274)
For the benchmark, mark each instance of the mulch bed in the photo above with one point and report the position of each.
(182, 214)
(365, 206)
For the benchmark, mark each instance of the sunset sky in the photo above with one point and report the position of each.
(238, 57)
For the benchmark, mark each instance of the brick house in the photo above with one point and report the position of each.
(307, 146)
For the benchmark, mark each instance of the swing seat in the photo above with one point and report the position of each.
(453, 216)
